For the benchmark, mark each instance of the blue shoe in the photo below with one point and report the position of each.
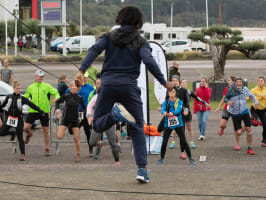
(123, 134)
(159, 162)
(104, 137)
(120, 114)
(172, 145)
(192, 162)
(192, 145)
(142, 176)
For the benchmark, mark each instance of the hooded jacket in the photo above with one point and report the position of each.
(124, 51)
(238, 97)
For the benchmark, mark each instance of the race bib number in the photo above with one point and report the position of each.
(81, 115)
(173, 121)
(12, 121)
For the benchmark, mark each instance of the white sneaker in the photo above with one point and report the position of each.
(201, 137)
(121, 114)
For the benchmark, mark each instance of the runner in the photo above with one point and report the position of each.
(84, 92)
(236, 100)
(260, 93)
(202, 110)
(14, 104)
(172, 111)
(226, 114)
(124, 50)
(188, 118)
(62, 85)
(39, 93)
(96, 138)
(71, 114)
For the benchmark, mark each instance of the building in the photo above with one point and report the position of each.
(29, 9)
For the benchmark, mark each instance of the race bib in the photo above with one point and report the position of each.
(12, 121)
(81, 115)
(173, 121)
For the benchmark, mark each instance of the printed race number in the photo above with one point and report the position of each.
(173, 121)
(12, 121)
(81, 115)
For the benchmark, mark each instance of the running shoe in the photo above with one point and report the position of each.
(123, 134)
(159, 162)
(117, 163)
(201, 137)
(91, 153)
(142, 176)
(22, 157)
(192, 162)
(172, 145)
(98, 150)
(250, 151)
(121, 114)
(27, 139)
(237, 147)
(183, 156)
(221, 132)
(263, 144)
(192, 145)
(47, 152)
(255, 122)
(77, 158)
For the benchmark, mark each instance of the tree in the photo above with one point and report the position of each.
(221, 40)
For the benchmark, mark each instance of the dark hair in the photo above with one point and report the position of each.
(204, 79)
(238, 78)
(233, 78)
(176, 90)
(262, 77)
(130, 16)
(98, 75)
(61, 78)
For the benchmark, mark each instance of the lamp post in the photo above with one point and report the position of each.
(207, 14)
(16, 31)
(6, 28)
(80, 43)
(171, 34)
(151, 11)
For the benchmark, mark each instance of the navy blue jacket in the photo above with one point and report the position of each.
(124, 51)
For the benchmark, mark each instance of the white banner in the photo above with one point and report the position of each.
(159, 90)
(142, 84)
(159, 57)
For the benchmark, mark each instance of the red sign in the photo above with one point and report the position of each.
(51, 5)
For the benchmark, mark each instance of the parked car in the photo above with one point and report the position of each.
(178, 46)
(73, 44)
(57, 42)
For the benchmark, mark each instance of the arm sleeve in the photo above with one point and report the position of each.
(91, 105)
(179, 107)
(54, 92)
(4, 102)
(82, 104)
(27, 94)
(227, 96)
(163, 110)
(186, 99)
(197, 98)
(145, 54)
(30, 104)
(252, 96)
(94, 51)
(60, 100)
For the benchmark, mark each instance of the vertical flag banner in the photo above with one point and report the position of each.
(159, 57)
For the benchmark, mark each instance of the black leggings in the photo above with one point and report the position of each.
(261, 114)
(183, 141)
(19, 131)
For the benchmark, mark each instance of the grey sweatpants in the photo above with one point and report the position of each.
(110, 133)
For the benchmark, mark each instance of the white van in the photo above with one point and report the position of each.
(73, 44)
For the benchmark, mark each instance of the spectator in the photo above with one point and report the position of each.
(62, 85)
(174, 70)
(6, 73)
(20, 44)
(91, 74)
(39, 92)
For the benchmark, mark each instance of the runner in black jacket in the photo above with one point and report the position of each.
(71, 114)
(14, 103)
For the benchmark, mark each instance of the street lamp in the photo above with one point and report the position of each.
(80, 41)
(16, 31)
(171, 34)
(6, 27)
(151, 11)
(207, 14)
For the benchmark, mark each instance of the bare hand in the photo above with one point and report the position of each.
(159, 109)
(217, 109)
(165, 114)
(90, 121)
(185, 113)
(230, 103)
(171, 114)
(169, 85)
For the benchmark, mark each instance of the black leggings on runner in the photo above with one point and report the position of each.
(261, 114)
(183, 141)
(19, 131)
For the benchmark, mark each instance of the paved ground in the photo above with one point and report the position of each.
(226, 171)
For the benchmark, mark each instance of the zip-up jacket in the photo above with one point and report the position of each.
(14, 104)
(71, 108)
(260, 94)
(38, 92)
(238, 98)
(176, 108)
(124, 51)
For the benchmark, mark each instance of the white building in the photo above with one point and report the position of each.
(10, 5)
